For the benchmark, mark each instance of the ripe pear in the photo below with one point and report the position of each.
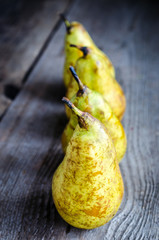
(87, 187)
(93, 102)
(93, 72)
(77, 34)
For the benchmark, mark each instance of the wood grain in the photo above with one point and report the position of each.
(30, 131)
(26, 27)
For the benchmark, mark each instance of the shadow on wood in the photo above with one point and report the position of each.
(54, 90)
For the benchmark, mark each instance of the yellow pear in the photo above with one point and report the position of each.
(77, 34)
(93, 102)
(93, 72)
(87, 186)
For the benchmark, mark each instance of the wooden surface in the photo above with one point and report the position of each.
(26, 27)
(30, 130)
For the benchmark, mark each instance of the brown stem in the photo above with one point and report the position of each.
(67, 23)
(72, 106)
(74, 74)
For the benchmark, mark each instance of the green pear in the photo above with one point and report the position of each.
(93, 72)
(93, 102)
(87, 187)
(77, 34)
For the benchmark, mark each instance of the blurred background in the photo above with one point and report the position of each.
(25, 27)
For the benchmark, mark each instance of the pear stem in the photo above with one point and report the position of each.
(67, 23)
(72, 107)
(85, 50)
(74, 74)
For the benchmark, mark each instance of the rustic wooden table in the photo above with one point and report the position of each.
(33, 117)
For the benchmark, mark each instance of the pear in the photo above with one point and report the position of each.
(77, 34)
(93, 102)
(93, 72)
(87, 187)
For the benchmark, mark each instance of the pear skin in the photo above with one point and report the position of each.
(77, 34)
(93, 102)
(87, 187)
(93, 72)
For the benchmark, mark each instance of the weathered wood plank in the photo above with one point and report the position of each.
(24, 27)
(30, 131)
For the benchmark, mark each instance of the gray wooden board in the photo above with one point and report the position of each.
(24, 27)
(31, 129)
